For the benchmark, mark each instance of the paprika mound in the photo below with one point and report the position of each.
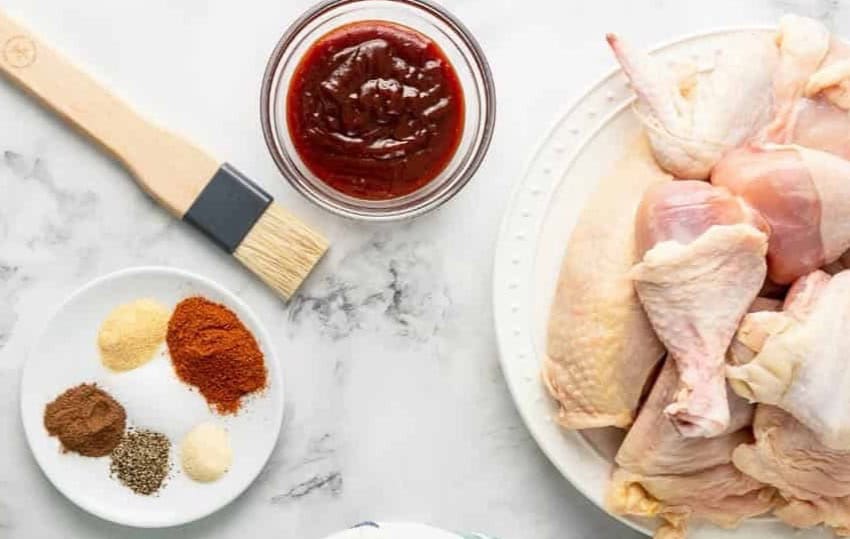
(212, 350)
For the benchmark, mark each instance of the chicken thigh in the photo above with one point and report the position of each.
(704, 263)
(813, 479)
(694, 117)
(659, 467)
(788, 455)
(654, 446)
(721, 495)
(803, 194)
(831, 512)
(802, 364)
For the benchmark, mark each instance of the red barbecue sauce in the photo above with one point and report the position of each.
(375, 110)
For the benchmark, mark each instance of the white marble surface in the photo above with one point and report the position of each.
(397, 408)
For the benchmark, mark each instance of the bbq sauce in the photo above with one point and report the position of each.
(375, 110)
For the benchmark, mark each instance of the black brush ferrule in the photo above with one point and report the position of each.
(228, 208)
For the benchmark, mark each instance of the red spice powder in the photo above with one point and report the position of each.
(212, 350)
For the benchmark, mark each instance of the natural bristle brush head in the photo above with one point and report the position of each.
(240, 217)
(281, 250)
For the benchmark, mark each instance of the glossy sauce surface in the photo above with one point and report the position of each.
(375, 110)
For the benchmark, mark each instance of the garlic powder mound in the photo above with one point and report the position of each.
(132, 333)
(205, 452)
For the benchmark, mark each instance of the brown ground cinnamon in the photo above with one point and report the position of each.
(87, 420)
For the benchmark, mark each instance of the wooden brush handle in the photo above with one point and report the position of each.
(168, 167)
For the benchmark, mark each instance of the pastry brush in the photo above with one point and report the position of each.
(230, 209)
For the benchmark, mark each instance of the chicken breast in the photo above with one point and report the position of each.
(600, 346)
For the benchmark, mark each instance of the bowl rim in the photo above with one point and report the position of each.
(430, 202)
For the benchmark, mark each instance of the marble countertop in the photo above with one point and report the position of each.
(397, 409)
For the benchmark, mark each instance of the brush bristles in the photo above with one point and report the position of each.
(281, 250)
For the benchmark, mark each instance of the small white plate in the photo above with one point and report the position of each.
(586, 141)
(66, 355)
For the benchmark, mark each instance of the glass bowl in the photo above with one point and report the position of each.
(462, 50)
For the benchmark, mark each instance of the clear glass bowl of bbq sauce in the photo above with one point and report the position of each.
(378, 109)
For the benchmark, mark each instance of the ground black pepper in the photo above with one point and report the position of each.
(141, 460)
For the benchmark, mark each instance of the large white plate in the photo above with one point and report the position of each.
(579, 150)
(67, 355)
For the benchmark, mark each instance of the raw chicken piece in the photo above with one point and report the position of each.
(692, 120)
(600, 346)
(831, 512)
(788, 456)
(803, 194)
(802, 366)
(752, 332)
(833, 81)
(813, 479)
(721, 495)
(681, 211)
(811, 88)
(830, 81)
(820, 125)
(653, 446)
(839, 265)
(804, 294)
(768, 317)
(803, 45)
(831, 178)
(703, 269)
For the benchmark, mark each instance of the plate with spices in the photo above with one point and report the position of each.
(153, 397)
